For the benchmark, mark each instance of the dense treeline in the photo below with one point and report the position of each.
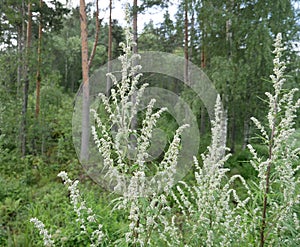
(230, 41)
(41, 71)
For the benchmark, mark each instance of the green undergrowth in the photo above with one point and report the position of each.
(30, 188)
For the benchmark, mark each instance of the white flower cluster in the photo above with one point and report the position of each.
(85, 217)
(48, 242)
(143, 140)
(121, 111)
(277, 173)
(167, 168)
(207, 204)
(146, 214)
(84, 214)
(125, 163)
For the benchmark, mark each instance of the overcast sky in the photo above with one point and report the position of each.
(154, 14)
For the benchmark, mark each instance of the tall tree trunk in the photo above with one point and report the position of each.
(186, 50)
(96, 35)
(26, 84)
(203, 56)
(85, 64)
(21, 43)
(231, 95)
(202, 120)
(66, 75)
(109, 52)
(247, 119)
(192, 31)
(85, 77)
(20, 50)
(233, 132)
(246, 132)
(203, 65)
(39, 62)
(186, 45)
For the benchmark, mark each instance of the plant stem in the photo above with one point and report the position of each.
(267, 188)
(136, 234)
(152, 227)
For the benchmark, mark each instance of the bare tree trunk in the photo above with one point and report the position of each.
(96, 35)
(66, 73)
(246, 132)
(247, 117)
(20, 53)
(109, 52)
(26, 84)
(85, 64)
(229, 56)
(233, 132)
(192, 31)
(39, 62)
(186, 49)
(203, 120)
(85, 77)
(203, 109)
(186, 45)
(20, 49)
(203, 65)
(203, 56)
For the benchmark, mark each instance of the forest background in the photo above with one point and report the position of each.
(41, 71)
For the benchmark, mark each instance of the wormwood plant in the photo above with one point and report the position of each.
(268, 215)
(147, 209)
(140, 193)
(276, 205)
(87, 221)
(209, 212)
(209, 216)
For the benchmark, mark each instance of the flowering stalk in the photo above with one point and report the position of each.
(277, 169)
(147, 210)
(48, 242)
(84, 215)
(206, 206)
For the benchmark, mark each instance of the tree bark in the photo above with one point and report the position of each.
(246, 133)
(26, 84)
(85, 64)
(233, 132)
(231, 91)
(85, 88)
(20, 41)
(20, 49)
(203, 120)
(109, 52)
(203, 65)
(39, 62)
(186, 45)
(96, 35)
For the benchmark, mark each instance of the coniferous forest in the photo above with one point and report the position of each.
(89, 158)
